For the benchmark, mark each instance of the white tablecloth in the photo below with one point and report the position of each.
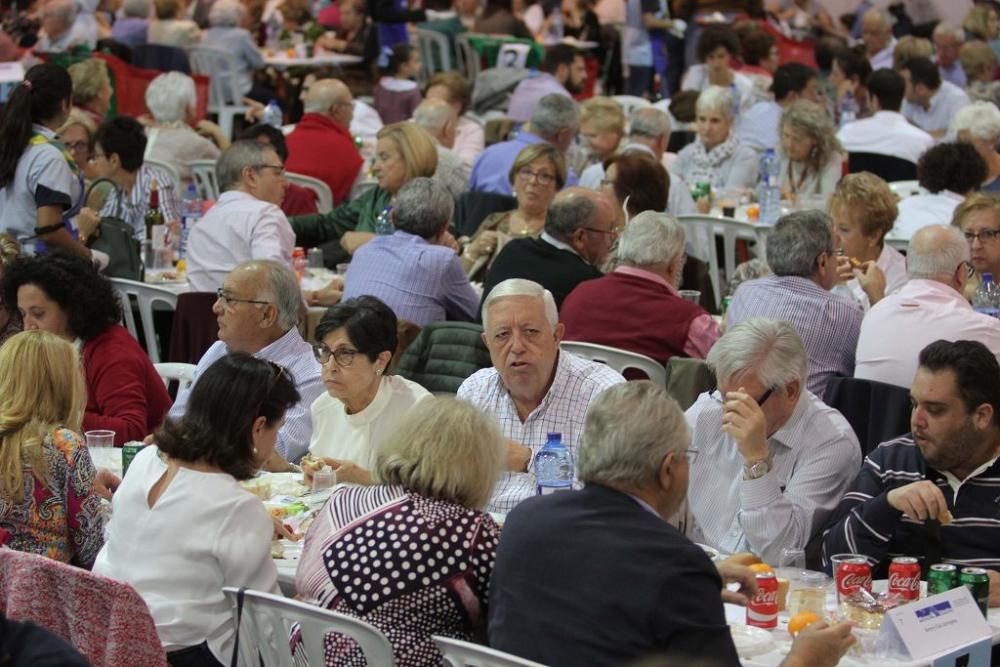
(281, 59)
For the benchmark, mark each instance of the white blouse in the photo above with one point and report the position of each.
(354, 438)
(204, 532)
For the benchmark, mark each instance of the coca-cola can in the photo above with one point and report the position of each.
(904, 578)
(852, 574)
(762, 612)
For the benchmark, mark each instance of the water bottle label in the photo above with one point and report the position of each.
(552, 487)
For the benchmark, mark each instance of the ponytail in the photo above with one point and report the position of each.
(38, 98)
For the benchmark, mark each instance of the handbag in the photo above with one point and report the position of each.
(116, 238)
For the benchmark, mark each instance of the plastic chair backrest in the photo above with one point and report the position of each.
(701, 232)
(435, 52)
(458, 653)
(468, 57)
(183, 374)
(266, 624)
(171, 171)
(146, 297)
(887, 167)
(203, 175)
(221, 67)
(904, 189)
(618, 359)
(324, 203)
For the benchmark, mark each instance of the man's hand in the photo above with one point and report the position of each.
(518, 456)
(920, 501)
(745, 421)
(744, 576)
(994, 587)
(872, 281)
(349, 472)
(818, 645)
(283, 531)
(87, 222)
(254, 111)
(106, 483)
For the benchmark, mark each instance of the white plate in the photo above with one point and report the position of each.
(751, 641)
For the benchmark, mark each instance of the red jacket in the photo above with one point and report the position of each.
(124, 392)
(299, 200)
(321, 148)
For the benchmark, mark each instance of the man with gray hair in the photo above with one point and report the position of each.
(321, 144)
(440, 119)
(637, 306)
(929, 307)
(615, 572)
(533, 388)
(64, 27)
(246, 222)
(556, 120)
(948, 40)
(800, 253)
(258, 313)
(415, 270)
(771, 459)
(876, 33)
(579, 231)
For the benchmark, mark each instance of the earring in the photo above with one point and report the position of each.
(254, 450)
(378, 371)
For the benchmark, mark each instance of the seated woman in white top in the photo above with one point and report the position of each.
(181, 525)
(363, 402)
(716, 156)
(864, 209)
(716, 48)
(171, 98)
(811, 161)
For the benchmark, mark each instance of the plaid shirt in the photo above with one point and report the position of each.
(577, 381)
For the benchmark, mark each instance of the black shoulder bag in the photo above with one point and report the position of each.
(116, 238)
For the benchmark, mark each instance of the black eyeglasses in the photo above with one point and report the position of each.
(74, 146)
(766, 395)
(984, 237)
(228, 301)
(278, 169)
(344, 356)
(540, 176)
(612, 232)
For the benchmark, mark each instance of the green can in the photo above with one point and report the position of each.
(701, 190)
(978, 582)
(942, 577)
(129, 450)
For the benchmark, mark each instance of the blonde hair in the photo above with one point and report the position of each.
(89, 78)
(908, 47)
(443, 448)
(604, 113)
(166, 9)
(537, 151)
(980, 201)
(813, 120)
(415, 146)
(41, 390)
(978, 60)
(77, 117)
(977, 21)
(868, 201)
(10, 250)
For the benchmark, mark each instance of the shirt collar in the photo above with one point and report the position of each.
(275, 351)
(636, 146)
(790, 432)
(562, 245)
(44, 131)
(646, 275)
(644, 505)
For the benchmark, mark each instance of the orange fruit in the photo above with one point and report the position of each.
(760, 568)
(800, 621)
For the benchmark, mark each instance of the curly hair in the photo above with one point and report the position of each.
(868, 202)
(952, 166)
(217, 426)
(812, 120)
(715, 35)
(88, 298)
(755, 42)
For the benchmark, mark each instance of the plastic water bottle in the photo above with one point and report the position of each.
(556, 29)
(737, 99)
(190, 214)
(554, 466)
(383, 223)
(273, 32)
(272, 115)
(769, 188)
(986, 300)
(848, 109)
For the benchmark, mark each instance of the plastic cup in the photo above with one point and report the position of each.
(101, 445)
(100, 438)
(157, 260)
(342, 268)
(324, 478)
(315, 258)
(692, 295)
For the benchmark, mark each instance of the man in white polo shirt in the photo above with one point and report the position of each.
(876, 31)
(931, 103)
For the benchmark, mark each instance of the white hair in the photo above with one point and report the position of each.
(521, 287)
(769, 350)
(715, 98)
(170, 96)
(140, 9)
(981, 120)
(651, 238)
(226, 13)
(936, 251)
(649, 122)
(950, 29)
(280, 286)
(432, 115)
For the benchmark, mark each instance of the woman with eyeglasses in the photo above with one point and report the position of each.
(979, 219)
(182, 527)
(538, 173)
(364, 401)
(65, 295)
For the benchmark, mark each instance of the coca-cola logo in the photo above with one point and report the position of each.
(904, 583)
(766, 597)
(856, 581)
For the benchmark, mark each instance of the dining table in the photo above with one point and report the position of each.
(296, 57)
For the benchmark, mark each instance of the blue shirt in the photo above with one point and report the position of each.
(130, 31)
(491, 172)
(758, 126)
(420, 281)
(530, 91)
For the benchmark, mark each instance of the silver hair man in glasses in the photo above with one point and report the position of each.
(772, 460)
(246, 222)
(258, 313)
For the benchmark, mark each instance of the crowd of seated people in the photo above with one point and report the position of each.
(501, 216)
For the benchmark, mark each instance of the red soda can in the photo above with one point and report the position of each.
(852, 574)
(904, 578)
(762, 612)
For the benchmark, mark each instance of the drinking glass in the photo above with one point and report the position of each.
(692, 295)
(315, 258)
(101, 445)
(324, 478)
(793, 559)
(342, 269)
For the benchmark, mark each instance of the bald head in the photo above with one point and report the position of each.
(586, 220)
(439, 119)
(938, 252)
(331, 98)
(876, 30)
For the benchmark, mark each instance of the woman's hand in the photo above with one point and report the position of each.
(255, 110)
(281, 531)
(482, 246)
(87, 222)
(210, 130)
(326, 296)
(349, 472)
(845, 270)
(872, 281)
(106, 483)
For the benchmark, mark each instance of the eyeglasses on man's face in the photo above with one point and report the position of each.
(279, 170)
(344, 356)
(229, 301)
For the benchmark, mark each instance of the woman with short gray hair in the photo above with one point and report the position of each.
(979, 124)
(171, 100)
(716, 156)
(226, 34)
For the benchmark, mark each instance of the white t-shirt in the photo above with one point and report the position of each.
(204, 532)
(354, 438)
(918, 211)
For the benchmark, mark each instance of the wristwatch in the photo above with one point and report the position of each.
(757, 469)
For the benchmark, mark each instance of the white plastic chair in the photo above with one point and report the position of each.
(701, 232)
(435, 53)
(183, 374)
(630, 103)
(468, 57)
(146, 296)
(325, 195)
(223, 97)
(465, 654)
(171, 171)
(203, 175)
(267, 620)
(618, 359)
(904, 189)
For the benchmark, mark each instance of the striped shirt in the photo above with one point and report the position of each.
(865, 523)
(295, 356)
(827, 324)
(576, 383)
(814, 456)
(132, 208)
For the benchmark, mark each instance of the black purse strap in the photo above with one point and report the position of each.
(115, 193)
(239, 621)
